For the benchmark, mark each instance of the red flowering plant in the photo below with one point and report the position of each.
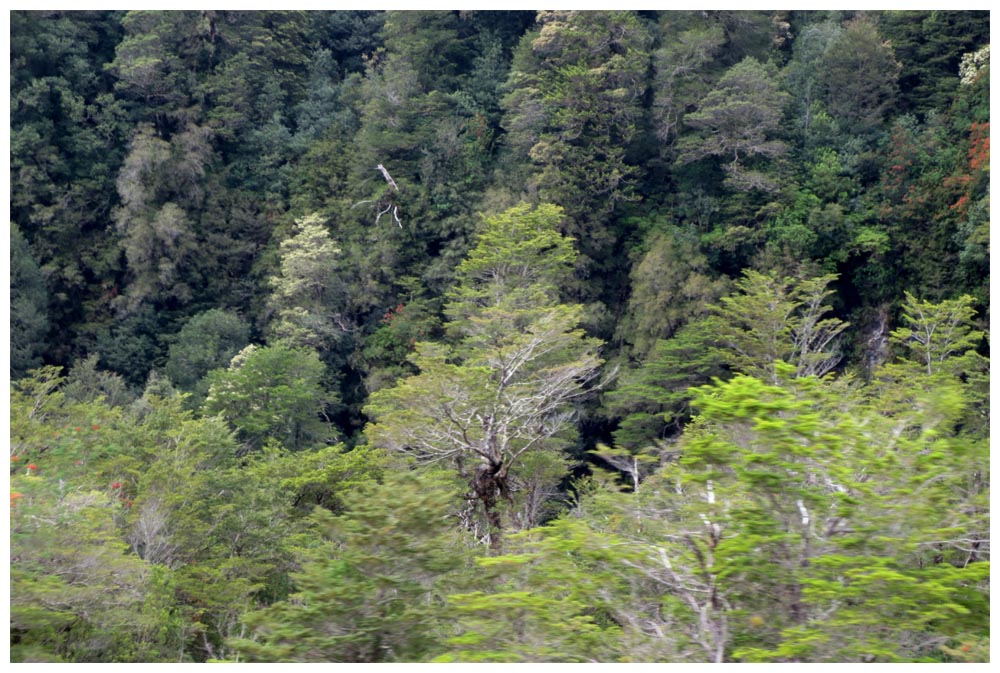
(75, 444)
(120, 492)
(969, 179)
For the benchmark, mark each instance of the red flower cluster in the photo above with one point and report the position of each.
(116, 485)
(979, 153)
(389, 316)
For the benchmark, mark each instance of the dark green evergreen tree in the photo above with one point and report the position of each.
(572, 111)
(207, 341)
(29, 299)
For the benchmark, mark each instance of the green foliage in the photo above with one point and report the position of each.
(671, 285)
(683, 68)
(572, 106)
(45, 422)
(939, 337)
(68, 137)
(201, 536)
(733, 122)
(803, 75)
(915, 600)
(79, 594)
(542, 602)
(432, 43)
(797, 512)
(320, 478)
(207, 341)
(432, 137)
(387, 349)
(184, 182)
(770, 320)
(517, 252)
(635, 465)
(306, 293)
(373, 589)
(76, 596)
(29, 319)
(156, 230)
(815, 226)
(968, 649)
(130, 347)
(929, 46)
(230, 557)
(271, 393)
(938, 355)
(519, 361)
(350, 35)
(86, 383)
(572, 113)
(859, 75)
(654, 398)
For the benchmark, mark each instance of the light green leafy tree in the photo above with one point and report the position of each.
(189, 508)
(940, 374)
(939, 336)
(374, 589)
(319, 478)
(549, 599)
(76, 595)
(770, 319)
(937, 345)
(306, 290)
(506, 385)
(273, 392)
(804, 522)
(77, 591)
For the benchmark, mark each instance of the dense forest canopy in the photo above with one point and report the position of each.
(362, 336)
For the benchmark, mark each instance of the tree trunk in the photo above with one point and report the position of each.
(489, 484)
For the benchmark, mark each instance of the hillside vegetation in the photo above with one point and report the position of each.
(556, 336)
